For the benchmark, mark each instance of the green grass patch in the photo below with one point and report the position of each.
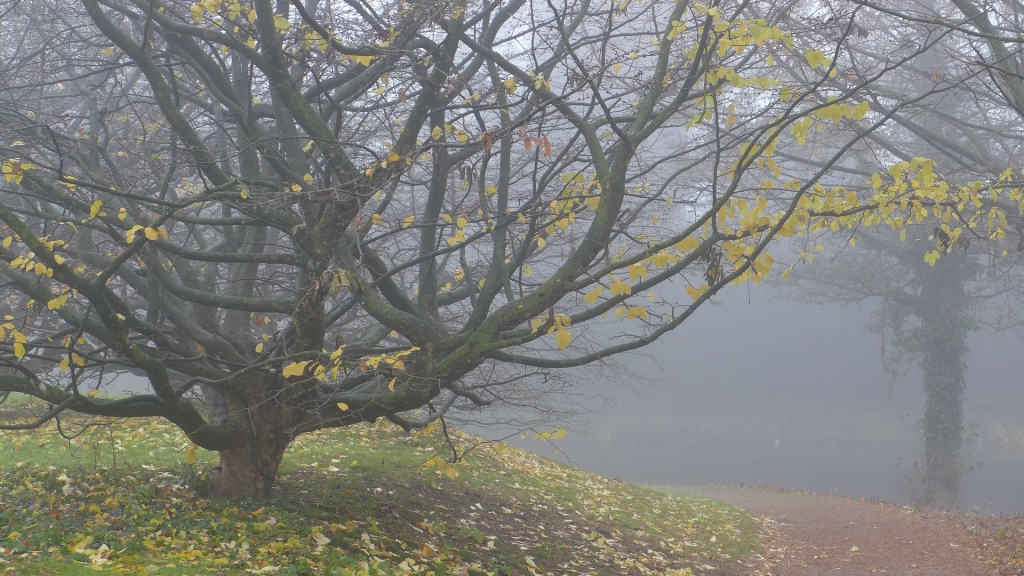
(120, 498)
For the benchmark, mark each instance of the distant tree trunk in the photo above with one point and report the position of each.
(942, 339)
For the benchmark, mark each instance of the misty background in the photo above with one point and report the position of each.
(761, 389)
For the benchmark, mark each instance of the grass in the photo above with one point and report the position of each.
(365, 500)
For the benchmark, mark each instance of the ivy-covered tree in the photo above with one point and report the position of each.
(294, 216)
(961, 111)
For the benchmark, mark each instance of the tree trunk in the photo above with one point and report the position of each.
(943, 345)
(943, 367)
(246, 472)
(250, 470)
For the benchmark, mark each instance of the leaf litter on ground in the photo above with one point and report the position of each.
(126, 497)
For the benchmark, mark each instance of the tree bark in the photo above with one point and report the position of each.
(247, 472)
(250, 470)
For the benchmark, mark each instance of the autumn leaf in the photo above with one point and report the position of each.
(688, 244)
(815, 58)
(619, 287)
(295, 369)
(592, 296)
(563, 338)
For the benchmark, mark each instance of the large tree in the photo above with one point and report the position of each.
(294, 216)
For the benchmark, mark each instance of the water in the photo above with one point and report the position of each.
(867, 455)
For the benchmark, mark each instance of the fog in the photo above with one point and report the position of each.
(759, 389)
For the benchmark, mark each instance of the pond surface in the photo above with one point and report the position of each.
(869, 455)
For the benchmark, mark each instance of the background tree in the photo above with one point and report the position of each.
(948, 106)
(293, 216)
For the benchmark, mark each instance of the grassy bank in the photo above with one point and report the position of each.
(123, 497)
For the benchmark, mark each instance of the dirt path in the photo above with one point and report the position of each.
(810, 535)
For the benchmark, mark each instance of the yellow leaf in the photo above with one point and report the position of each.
(376, 219)
(294, 369)
(245, 194)
(541, 242)
(688, 244)
(122, 214)
(307, 148)
(342, 406)
(436, 133)
(696, 293)
(861, 110)
(592, 296)
(7, 242)
(259, 348)
(190, 455)
(619, 287)
(121, 317)
(636, 312)
(391, 385)
(308, 178)
(151, 234)
(815, 58)
(296, 188)
(64, 364)
(130, 237)
(563, 337)
(58, 259)
(19, 350)
(408, 221)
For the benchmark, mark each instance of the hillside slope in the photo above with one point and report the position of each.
(365, 500)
